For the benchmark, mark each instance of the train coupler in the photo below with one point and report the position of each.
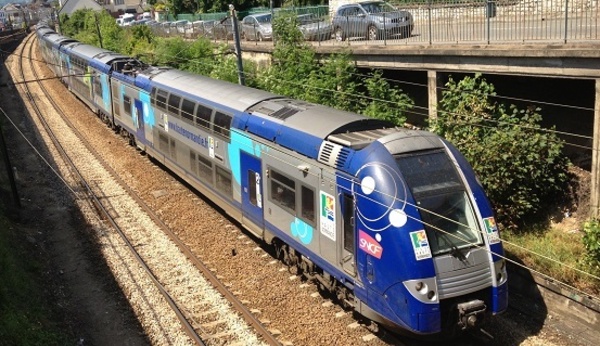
(470, 314)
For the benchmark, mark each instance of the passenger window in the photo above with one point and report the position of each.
(127, 104)
(116, 99)
(348, 223)
(205, 169)
(283, 191)
(203, 114)
(174, 102)
(308, 204)
(187, 110)
(193, 163)
(97, 86)
(252, 188)
(222, 124)
(224, 181)
(153, 96)
(161, 99)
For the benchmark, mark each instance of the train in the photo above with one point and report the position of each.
(391, 221)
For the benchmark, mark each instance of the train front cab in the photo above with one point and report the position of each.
(427, 245)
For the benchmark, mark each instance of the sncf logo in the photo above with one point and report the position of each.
(369, 245)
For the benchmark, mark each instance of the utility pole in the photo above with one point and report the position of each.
(238, 48)
(98, 29)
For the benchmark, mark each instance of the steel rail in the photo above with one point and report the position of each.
(92, 196)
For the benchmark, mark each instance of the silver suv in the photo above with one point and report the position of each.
(371, 19)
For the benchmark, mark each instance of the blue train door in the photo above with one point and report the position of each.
(252, 198)
(139, 123)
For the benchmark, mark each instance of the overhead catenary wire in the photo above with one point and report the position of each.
(538, 129)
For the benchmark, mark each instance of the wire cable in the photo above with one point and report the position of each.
(509, 243)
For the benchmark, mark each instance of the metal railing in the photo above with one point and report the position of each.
(496, 22)
(431, 22)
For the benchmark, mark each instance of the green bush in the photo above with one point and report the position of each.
(521, 167)
(591, 241)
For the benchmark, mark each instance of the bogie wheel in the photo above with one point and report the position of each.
(372, 33)
(339, 34)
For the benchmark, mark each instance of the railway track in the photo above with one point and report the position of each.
(201, 319)
(293, 310)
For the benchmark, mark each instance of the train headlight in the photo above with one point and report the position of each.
(500, 269)
(430, 295)
(424, 290)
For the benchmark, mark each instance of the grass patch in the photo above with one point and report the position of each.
(564, 250)
(26, 313)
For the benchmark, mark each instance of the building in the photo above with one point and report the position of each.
(12, 13)
(116, 7)
(70, 6)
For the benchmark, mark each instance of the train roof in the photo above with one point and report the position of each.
(297, 125)
(57, 40)
(86, 51)
(44, 30)
(234, 96)
(316, 120)
(104, 61)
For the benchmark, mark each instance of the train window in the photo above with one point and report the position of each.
(116, 97)
(163, 142)
(161, 99)
(127, 104)
(174, 102)
(252, 187)
(203, 115)
(283, 191)
(153, 96)
(222, 124)
(193, 163)
(308, 204)
(224, 181)
(172, 149)
(187, 110)
(205, 169)
(97, 86)
(348, 212)
(443, 202)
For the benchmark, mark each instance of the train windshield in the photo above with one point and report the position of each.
(442, 200)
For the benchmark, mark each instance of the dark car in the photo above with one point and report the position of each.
(371, 19)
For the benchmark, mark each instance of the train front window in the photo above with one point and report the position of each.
(442, 200)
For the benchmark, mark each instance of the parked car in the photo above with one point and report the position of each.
(222, 29)
(125, 19)
(257, 27)
(371, 19)
(140, 22)
(178, 27)
(199, 28)
(314, 28)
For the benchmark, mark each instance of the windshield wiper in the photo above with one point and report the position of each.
(454, 251)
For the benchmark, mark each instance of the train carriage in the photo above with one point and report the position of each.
(102, 66)
(83, 75)
(392, 221)
(50, 43)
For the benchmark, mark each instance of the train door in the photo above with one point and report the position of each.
(348, 259)
(138, 121)
(252, 198)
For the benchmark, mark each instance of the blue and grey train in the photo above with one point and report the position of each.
(391, 221)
